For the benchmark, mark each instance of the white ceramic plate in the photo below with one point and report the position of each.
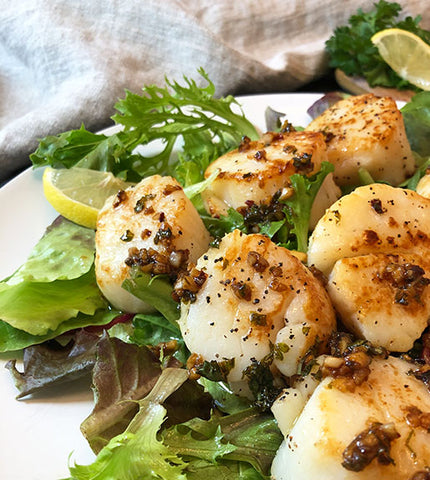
(37, 435)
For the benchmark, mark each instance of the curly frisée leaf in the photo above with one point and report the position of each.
(186, 117)
(300, 204)
(227, 442)
(135, 455)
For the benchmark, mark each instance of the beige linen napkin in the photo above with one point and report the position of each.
(63, 62)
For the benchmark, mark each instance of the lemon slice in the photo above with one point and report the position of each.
(406, 54)
(79, 193)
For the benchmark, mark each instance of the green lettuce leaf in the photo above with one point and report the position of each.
(219, 226)
(55, 284)
(81, 148)
(41, 307)
(225, 400)
(248, 437)
(65, 252)
(227, 470)
(12, 339)
(155, 329)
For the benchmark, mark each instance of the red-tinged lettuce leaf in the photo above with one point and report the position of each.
(234, 447)
(325, 102)
(137, 453)
(273, 119)
(52, 364)
(125, 373)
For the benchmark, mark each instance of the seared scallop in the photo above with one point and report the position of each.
(377, 431)
(152, 225)
(383, 298)
(375, 218)
(257, 170)
(367, 132)
(256, 297)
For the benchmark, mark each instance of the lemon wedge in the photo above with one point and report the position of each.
(79, 193)
(406, 54)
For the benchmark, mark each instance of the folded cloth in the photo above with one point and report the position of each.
(65, 63)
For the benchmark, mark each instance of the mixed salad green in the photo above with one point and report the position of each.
(150, 419)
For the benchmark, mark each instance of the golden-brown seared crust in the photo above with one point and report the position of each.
(367, 132)
(253, 290)
(376, 218)
(334, 417)
(383, 298)
(258, 169)
(152, 222)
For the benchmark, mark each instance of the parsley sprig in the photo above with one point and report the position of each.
(352, 51)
